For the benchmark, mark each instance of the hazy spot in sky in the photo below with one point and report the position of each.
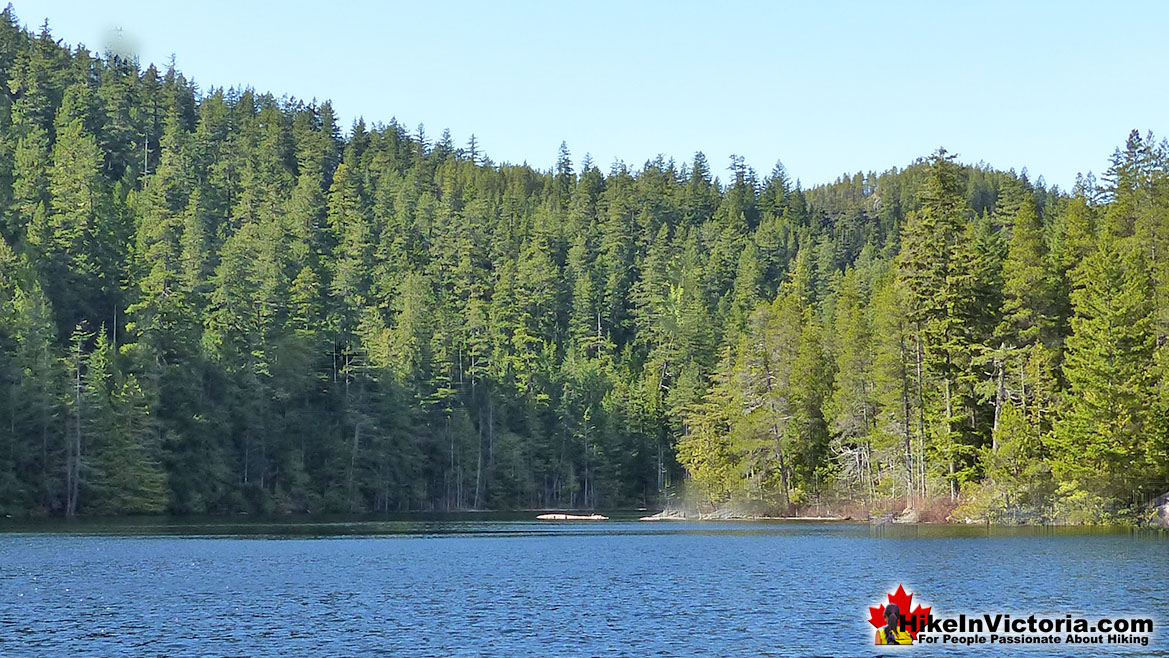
(117, 41)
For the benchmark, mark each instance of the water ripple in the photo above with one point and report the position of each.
(526, 589)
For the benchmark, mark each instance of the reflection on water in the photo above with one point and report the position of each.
(507, 585)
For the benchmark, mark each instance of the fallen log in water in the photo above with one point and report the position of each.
(728, 515)
(572, 517)
(666, 515)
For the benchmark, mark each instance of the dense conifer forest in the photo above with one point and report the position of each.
(221, 301)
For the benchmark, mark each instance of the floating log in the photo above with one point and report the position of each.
(572, 517)
(666, 515)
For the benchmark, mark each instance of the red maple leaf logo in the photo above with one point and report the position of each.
(902, 601)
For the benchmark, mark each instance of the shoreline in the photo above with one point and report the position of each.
(9, 522)
(666, 516)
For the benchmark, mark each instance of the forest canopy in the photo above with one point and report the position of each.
(217, 301)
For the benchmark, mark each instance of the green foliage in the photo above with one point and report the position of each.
(1105, 433)
(215, 303)
(759, 433)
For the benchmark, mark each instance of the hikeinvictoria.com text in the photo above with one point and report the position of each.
(1004, 628)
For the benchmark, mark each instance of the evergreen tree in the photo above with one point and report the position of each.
(213, 302)
(1103, 432)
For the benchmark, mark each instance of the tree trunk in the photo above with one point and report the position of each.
(999, 397)
(949, 440)
(73, 450)
(920, 415)
(907, 415)
(479, 462)
(354, 447)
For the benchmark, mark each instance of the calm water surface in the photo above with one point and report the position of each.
(460, 587)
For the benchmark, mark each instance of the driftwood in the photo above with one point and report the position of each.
(729, 515)
(572, 517)
(666, 515)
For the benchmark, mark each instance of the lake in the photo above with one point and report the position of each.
(500, 586)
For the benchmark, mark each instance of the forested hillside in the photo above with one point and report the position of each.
(212, 301)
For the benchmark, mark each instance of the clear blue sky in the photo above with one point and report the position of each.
(826, 87)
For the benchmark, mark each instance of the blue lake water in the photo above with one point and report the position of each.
(466, 587)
